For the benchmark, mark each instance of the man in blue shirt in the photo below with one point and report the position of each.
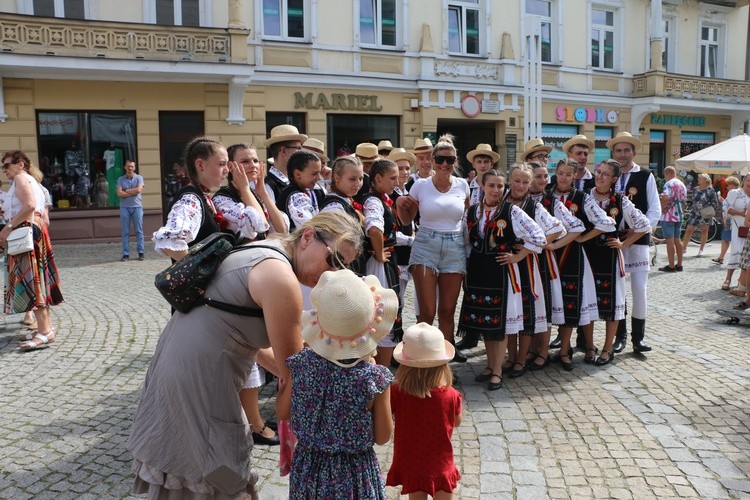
(129, 187)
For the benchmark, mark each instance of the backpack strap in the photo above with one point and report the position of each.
(256, 312)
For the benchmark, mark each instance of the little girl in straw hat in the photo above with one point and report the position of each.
(340, 398)
(422, 450)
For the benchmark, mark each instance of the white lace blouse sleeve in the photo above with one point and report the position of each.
(550, 225)
(241, 218)
(183, 223)
(597, 216)
(334, 205)
(526, 229)
(572, 223)
(374, 214)
(300, 208)
(634, 218)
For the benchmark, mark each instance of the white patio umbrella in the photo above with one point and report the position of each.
(727, 157)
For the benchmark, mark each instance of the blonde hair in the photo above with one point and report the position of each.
(335, 226)
(445, 141)
(419, 381)
(339, 165)
(521, 166)
(705, 177)
(734, 181)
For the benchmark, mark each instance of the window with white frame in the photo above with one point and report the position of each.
(378, 22)
(178, 12)
(463, 27)
(285, 19)
(543, 9)
(668, 34)
(602, 38)
(69, 9)
(710, 54)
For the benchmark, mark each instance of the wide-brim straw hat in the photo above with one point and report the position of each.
(423, 347)
(385, 145)
(484, 150)
(533, 146)
(284, 133)
(578, 140)
(367, 151)
(624, 137)
(422, 146)
(350, 316)
(397, 154)
(316, 147)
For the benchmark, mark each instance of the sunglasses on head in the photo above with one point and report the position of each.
(450, 160)
(334, 259)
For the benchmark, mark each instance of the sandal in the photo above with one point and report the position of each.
(741, 306)
(26, 336)
(507, 366)
(601, 362)
(725, 285)
(590, 359)
(45, 339)
(484, 376)
(493, 386)
(718, 260)
(533, 366)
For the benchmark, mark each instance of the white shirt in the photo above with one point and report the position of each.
(441, 211)
(652, 194)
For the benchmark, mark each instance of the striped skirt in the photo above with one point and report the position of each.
(32, 279)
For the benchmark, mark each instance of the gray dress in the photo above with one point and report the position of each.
(190, 437)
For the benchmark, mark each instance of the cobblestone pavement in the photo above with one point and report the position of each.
(674, 423)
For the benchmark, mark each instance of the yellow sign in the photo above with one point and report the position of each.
(345, 102)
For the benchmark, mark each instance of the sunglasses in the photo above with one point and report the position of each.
(334, 259)
(450, 160)
(7, 165)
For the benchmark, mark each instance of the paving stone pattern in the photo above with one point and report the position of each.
(674, 423)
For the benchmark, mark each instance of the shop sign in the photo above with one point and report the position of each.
(346, 102)
(58, 124)
(678, 120)
(587, 115)
(490, 106)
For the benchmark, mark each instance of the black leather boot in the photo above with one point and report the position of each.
(621, 338)
(468, 341)
(458, 357)
(555, 344)
(638, 331)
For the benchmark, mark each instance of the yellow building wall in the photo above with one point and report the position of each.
(737, 29)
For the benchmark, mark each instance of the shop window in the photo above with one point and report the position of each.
(69, 9)
(710, 65)
(176, 130)
(601, 151)
(274, 119)
(285, 19)
(82, 154)
(603, 38)
(657, 151)
(346, 131)
(463, 27)
(555, 136)
(668, 26)
(543, 9)
(378, 22)
(695, 141)
(178, 12)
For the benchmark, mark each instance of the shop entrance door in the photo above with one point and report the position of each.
(176, 129)
(468, 135)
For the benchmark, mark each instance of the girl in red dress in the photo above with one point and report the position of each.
(422, 451)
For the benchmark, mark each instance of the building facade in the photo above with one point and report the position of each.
(87, 84)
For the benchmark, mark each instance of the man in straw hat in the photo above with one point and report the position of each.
(640, 186)
(285, 140)
(316, 147)
(536, 150)
(482, 159)
(384, 148)
(423, 152)
(367, 153)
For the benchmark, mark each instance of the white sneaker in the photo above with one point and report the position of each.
(700, 253)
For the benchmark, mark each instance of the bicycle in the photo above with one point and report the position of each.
(715, 227)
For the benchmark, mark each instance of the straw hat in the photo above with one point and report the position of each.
(533, 146)
(578, 140)
(397, 154)
(422, 146)
(624, 137)
(484, 150)
(350, 316)
(283, 133)
(423, 347)
(366, 151)
(317, 147)
(385, 145)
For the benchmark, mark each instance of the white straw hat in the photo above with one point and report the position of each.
(397, 154)
(385, 145)
(422, 146)
(423, 347)
(350, 316)
(316, 147)
(284, 133)
(366, 151)
(484, 150)
(626, 137)
(578, 140)
(533, 146)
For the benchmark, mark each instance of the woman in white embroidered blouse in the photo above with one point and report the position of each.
(206, 161)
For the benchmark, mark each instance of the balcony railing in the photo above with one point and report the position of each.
(65, 37)
(661, 84)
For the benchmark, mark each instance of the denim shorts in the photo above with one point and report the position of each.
(670, 229)
(442, 251)
(726, 234)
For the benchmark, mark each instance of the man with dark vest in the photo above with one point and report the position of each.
(640, 187)
(285, 140)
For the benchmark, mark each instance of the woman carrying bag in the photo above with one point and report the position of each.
(33, 279)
